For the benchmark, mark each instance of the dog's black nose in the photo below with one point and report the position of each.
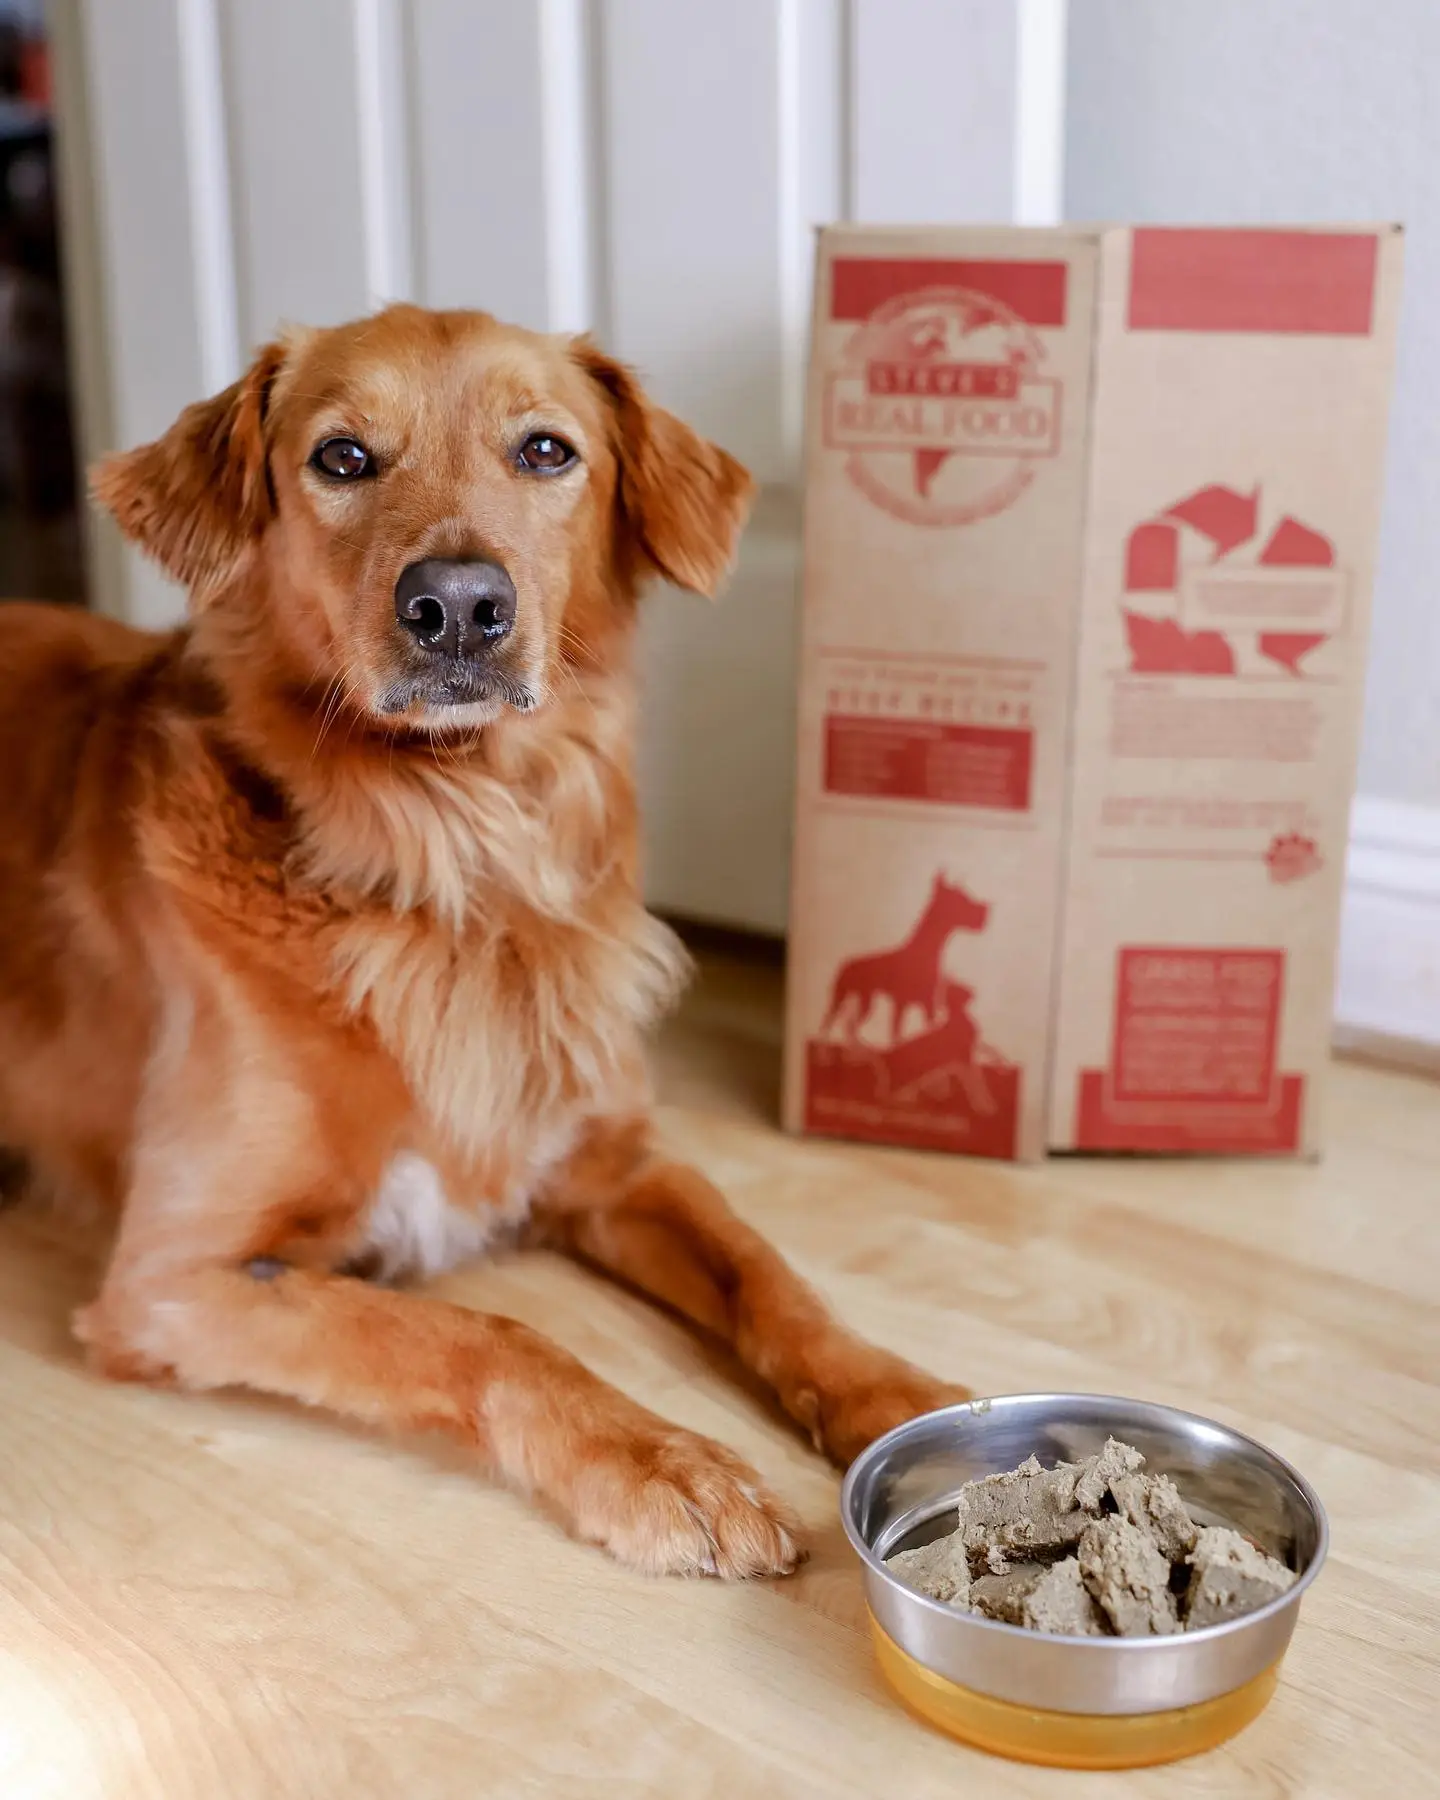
(456, 608)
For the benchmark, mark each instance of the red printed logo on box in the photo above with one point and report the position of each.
(1200, 559)
(1292, 856)
(941, 405)
(1192, 1058)
(878, 1072)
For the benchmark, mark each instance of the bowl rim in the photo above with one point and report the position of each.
(1131, 1646)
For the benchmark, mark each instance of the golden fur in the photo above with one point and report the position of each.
(307, 973)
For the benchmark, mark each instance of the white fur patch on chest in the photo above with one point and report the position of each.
(415, 1228)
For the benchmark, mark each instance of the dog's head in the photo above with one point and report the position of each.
(437, 512)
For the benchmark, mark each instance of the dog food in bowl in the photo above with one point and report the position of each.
(1090, 1549)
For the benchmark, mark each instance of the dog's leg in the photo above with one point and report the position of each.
(666, 1230)
(657, 1497)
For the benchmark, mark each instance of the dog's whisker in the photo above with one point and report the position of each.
(344, 693)
(332, 698)
(573, 674)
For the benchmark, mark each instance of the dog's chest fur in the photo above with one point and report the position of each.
(416, 1228)
(482, 922)
(507, 1056)
(517, 976)
(505, 1043)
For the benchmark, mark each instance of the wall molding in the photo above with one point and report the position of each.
(207, 169)
(569, 123)
(382, 68)
(1389, 978)
(1040, 48)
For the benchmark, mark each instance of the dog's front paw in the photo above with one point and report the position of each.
(670, 1503)
(866, 1393)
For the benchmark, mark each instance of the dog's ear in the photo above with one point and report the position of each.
(198, 497)
(685, 500)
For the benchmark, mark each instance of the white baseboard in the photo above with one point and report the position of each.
(1389, 982)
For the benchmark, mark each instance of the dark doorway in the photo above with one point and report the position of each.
(40, 539)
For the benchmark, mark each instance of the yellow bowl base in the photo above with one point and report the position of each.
(1070, 1740)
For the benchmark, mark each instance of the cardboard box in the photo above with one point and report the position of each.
(1089, 537)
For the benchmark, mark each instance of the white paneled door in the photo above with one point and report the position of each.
(651, 170)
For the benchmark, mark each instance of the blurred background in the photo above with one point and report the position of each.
(40, 551)
(653, 170)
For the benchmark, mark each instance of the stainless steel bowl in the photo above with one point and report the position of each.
(903, 1490)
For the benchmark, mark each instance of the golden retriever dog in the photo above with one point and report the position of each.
(323, 962)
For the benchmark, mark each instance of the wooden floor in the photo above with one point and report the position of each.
(219, 1599)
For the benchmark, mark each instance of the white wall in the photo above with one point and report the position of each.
(1263, 110)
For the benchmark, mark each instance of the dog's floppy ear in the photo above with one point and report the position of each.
(196, 498)
(685, 499)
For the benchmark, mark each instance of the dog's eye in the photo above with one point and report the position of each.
(342, 459)
(543, 453)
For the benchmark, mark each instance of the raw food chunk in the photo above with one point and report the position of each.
(1153, 1503)
(1002, 1596)
(940, 1570)
(1027, 1510)
(1060, 1603)
(1097, 1473)
(1129, 1578)
(1032, 1509)
(1228, 1577)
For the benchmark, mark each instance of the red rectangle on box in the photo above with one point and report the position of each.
(959, 1106)
(1264, 281)
(916, 759)
(1196, 1026)
(1035, 291)
(1189, 1130)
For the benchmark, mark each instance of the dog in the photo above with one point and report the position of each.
(323, 960)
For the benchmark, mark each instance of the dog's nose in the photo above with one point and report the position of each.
(456, 608)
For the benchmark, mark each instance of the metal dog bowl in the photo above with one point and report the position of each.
(1076, 1702)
